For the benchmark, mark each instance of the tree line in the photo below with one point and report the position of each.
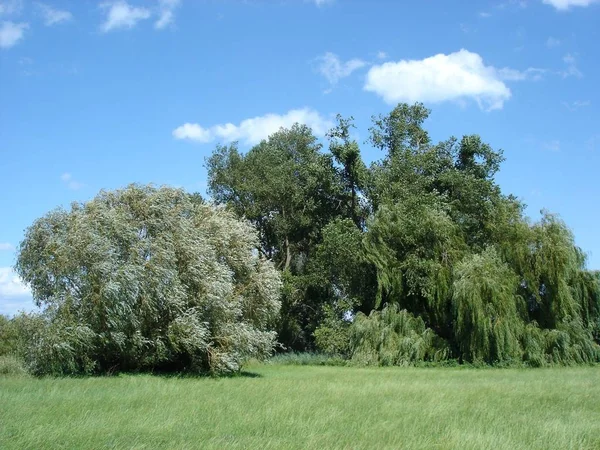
(418, 257)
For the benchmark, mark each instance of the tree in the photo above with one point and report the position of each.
(289, 190)
(422, 248)
(147, 278)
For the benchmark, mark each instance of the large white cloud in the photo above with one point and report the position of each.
(563, 5)
(122, 15)
(252, 131)
(11, 33)
(453, 77)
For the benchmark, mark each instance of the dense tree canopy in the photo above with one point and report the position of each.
(422, 247)
(147, 278)
(419, 257)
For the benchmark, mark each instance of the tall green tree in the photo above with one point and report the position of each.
(289, 189)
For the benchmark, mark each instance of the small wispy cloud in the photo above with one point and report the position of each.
(6, 247)
(577, 104)
(120, 14)
(531, 73)
(53, 16)
(11, 7)
(71, 183)
(485, 15)
(11, 33)
(166, 13)
(593, 143)
(564, 5)
(381, 55)
(552, 146)
(571, 69)
(552, 42)
(320, 3)
(334, 69)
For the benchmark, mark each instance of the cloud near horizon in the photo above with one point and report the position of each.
(252, 131)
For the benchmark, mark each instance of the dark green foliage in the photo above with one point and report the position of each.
(424, 237)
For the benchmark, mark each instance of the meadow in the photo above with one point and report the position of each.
(282, 406)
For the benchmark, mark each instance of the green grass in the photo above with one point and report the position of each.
(308, 407)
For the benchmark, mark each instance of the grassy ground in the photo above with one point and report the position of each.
(308, 407)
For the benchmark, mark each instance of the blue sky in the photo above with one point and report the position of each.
(96, 95)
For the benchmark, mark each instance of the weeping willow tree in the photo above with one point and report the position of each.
(413, 247)
(393, 337)
(462, 257)
(488, 313)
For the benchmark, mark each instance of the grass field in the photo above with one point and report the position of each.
(278, 407)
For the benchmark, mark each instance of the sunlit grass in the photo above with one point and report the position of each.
(280, 406)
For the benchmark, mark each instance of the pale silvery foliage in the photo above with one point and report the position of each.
(144, 278)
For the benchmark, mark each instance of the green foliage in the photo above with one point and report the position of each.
(16, 333)
(147, 278)
(393, 337)
(489, 316)
(425, 229)
(332, 334)
(11, 365)
(306, 359)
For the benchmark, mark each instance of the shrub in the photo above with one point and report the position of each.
(12, 365)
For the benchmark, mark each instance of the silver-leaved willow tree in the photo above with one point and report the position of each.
(147, 278)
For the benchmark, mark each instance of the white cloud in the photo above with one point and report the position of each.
(574, 106)
(14, 295)
(485, 15)
(381, 55)
(11, 33)
(6, 246)
(166, 13)
(252, 131)
(532, 73)
(333, 69)
(72, 184)
(10, 7)
(322, 2)
(553, 146)
(563, 5)
(10, 284)
(453, 77)
(193, 132)
(552, 42)
(121, 15)
(53, 16)
(571, 70)
(593, 143)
